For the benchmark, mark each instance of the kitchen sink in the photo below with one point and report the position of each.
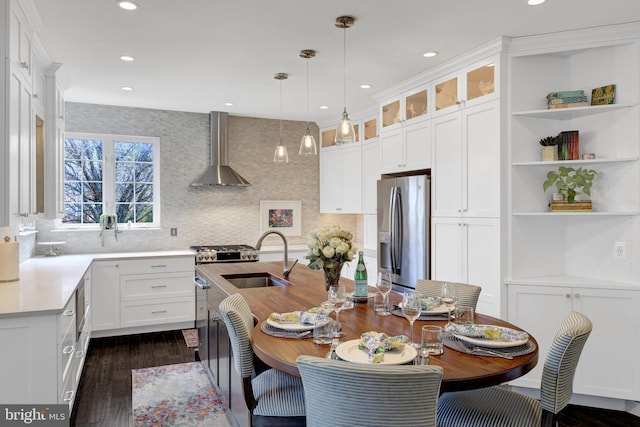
(255, 280)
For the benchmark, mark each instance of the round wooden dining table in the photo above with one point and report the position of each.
(462, 371)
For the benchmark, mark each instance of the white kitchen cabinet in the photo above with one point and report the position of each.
(20, 41)
(54, 142)
(467, 250)
(406, 148)
(148, 293)
(370, 176)
(466, 178)
(469, 86)
(44, 356)
(540, 308)
(411, 106)
(341, 179)
(105, 295)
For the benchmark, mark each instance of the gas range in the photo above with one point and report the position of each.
(225, 253)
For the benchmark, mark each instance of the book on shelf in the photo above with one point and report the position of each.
(569, 145)
(571, 105)
(604, 95)
(565, 94)
(576, 206)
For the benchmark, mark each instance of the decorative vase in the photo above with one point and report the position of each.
(332, 275)
(549, 153)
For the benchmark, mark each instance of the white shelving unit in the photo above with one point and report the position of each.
(563, 261)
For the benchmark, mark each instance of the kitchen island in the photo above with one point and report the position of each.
(461, 371)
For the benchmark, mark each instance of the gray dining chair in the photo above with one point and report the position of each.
(339, 393)
(272, 397)
(467, 294)
(498, 406)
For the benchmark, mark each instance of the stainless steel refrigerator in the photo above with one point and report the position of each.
(404, 214)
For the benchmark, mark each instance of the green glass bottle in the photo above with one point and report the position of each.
(361, 288)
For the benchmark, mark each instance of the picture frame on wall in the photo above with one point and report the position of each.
(284, 216)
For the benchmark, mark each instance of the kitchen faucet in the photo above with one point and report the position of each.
(286, 268)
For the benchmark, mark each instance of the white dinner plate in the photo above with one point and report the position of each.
(492, 343)
(290, 326)
(350, 352)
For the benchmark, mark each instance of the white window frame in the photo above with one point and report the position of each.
(108, 178)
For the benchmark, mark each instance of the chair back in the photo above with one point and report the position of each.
(467, 294)
(237, 316)
(562, 360)
(340, 393)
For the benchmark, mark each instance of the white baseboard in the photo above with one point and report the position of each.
(142, 329)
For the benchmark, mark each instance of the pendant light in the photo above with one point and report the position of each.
(345, 133)
(281, 154)
(308, 143)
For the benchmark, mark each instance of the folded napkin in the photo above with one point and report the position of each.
(304, 317)
(376, 343)
(486, 332)
(429, 303)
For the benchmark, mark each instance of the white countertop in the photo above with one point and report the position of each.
(47, 283)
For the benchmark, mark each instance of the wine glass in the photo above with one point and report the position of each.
(337, 297)
(384, 287)
(411, 306)
(449, 297)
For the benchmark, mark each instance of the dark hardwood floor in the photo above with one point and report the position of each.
(104, 394)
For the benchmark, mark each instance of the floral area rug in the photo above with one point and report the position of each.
(176, 395)
(190, 337)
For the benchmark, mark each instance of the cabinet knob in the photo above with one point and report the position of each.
(25, 65)
(68, 396)
(567, 295)
(69, 313)
(35, 96)
(68, 349)
(577, 296)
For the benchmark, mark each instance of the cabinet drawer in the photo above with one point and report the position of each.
(67, 317)
(157, 265)
(143, 286)
(66, 351)
(141, 313)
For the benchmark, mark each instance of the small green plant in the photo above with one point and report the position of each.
(570, 181)
(549, 141)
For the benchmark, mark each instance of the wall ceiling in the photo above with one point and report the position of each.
(196, 55)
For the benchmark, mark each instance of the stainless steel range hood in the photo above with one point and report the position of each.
(219, 172)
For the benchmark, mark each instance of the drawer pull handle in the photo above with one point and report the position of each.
(68, 396)
(159, 312)
(158, 286)
(159, 266)
(79, 354)
(69, 313)
(68, 349)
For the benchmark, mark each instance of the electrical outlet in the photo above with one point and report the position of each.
(621, 250)
(174, 232)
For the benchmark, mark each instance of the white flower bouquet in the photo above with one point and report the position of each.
(330, 247)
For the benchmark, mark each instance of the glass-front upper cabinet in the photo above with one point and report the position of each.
(328, 137)
(471, 85)
(370, 129)
(411, 105)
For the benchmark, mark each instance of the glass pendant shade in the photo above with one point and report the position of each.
(308, 144)
(281, 154)
(345, 134)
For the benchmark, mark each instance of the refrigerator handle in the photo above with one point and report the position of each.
(392, 228)
(398, 232)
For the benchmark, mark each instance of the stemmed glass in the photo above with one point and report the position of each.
(384, 287)
(411, 306)
(449, 297)
(337, 298)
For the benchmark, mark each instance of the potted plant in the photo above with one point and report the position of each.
(571, 182)
(549, 150)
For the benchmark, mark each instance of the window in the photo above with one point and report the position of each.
(111, 174)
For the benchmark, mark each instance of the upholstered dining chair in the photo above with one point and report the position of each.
(339, 393)
(498, 406)
(467, 294)
(272, 397)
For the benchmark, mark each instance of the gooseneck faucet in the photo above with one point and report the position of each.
(286, 269)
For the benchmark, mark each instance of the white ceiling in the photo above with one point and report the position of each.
(196, 55)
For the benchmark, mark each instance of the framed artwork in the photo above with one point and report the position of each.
(284, 216)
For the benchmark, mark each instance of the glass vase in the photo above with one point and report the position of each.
(332, 275)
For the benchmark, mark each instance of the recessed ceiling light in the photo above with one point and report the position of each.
(430, 54)
(365, 86)
(127, 5)
(126, 58)
(127, 88)
(324, 107)
(535, 2)
(229, 104)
